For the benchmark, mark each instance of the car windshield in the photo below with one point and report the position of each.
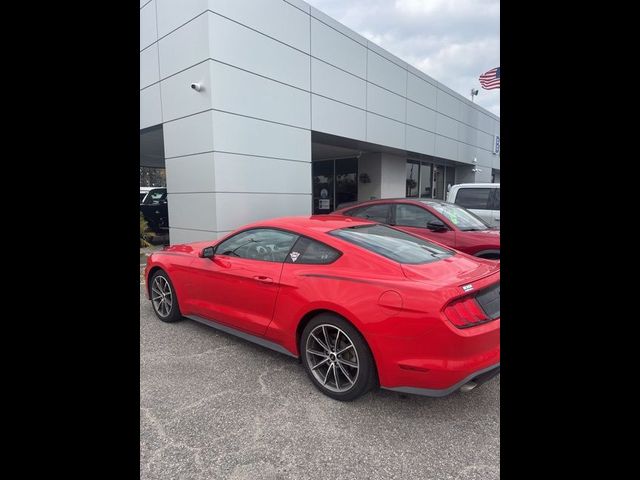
(460, 217)
(393, 244)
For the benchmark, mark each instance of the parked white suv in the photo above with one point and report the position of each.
(483, 199)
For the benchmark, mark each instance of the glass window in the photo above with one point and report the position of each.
(376, 213)
(460, 217)
(309, 251)
(393, 244)
(450, 177)
(413, 175)
(496, 199)
(425, 181)
(346, 181)
(155, 197)
(473, 198)
(413, 216)
(259, 244)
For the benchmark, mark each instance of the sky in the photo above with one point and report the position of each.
(453, 41)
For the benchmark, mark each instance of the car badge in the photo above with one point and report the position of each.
(294, 256)
(467, 288)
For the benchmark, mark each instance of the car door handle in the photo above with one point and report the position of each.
(263, 279)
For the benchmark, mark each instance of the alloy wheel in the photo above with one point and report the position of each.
(161, 296)
(332, 358)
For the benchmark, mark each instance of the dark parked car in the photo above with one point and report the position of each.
(154, 208)
(443, 222)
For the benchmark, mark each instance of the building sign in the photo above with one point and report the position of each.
(324, 204)
(496, 145)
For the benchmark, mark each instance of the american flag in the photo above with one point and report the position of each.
(490, 79)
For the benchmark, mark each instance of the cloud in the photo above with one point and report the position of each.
(453, 41)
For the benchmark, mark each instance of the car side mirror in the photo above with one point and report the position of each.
(207, 252)
(436, 225)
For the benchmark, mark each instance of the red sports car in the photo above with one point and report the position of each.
(443, 222)
(360, 303)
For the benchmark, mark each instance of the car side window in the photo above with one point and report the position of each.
(156, 197)
(477, 198)
(268, 245)
(307, 251)
(377, 213)
(413, 216)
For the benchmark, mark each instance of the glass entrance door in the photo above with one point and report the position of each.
(335, 183)
(438, 182)
(322, 176)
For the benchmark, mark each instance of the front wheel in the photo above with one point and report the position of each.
(337, 358)
(163, 298)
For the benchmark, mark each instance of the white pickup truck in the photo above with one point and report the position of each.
(483, 199)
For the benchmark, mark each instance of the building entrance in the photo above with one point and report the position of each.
(335, 182)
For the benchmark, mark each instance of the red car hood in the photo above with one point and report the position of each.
(189, 248)
(457, 270)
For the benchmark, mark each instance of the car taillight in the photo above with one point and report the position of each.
(465, 312)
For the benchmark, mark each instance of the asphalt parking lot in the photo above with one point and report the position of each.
(213, 406)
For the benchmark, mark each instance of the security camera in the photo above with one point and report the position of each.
(196, 86)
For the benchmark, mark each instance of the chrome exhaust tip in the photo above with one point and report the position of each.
(467, 387)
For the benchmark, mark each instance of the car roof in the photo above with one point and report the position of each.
(316, 223)
(392, 200)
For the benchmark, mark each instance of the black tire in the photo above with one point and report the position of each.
(157, 283)
(362, 381)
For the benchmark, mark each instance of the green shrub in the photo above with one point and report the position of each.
(144, 232)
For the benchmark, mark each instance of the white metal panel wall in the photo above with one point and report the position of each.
(149, 70)
(337, 49)
(337, 84)
(150, 108)
(242, 47)
(274, 18)
(337, 118)
(184, 47)
(148, 25)
(174, 14)
(272, 70)
(245, 93)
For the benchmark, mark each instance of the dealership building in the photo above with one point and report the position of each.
(264, 108)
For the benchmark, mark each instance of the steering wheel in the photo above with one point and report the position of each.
(258, 252)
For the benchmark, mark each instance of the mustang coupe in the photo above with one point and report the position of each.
(359, 303)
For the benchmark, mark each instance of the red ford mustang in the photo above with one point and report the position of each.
(443, 222)
(361, 304)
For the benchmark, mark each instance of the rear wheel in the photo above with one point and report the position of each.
(336, 358)
(163, 298)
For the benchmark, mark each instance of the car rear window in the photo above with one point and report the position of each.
(393, 244)
(377, 213)
(307, 251)
(476, 198)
